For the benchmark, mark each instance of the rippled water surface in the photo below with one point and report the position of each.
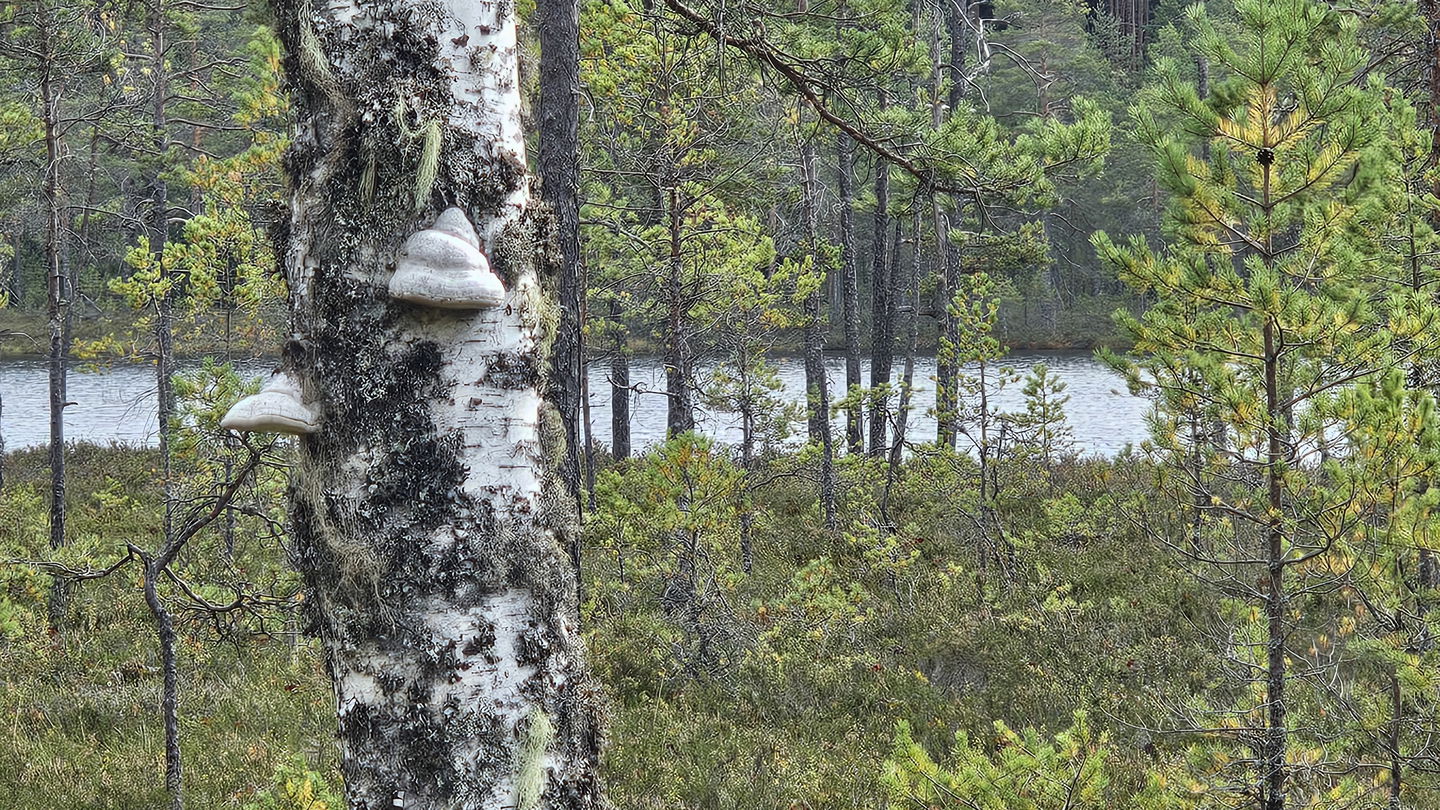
(119, 404)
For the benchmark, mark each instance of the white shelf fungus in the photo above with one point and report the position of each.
(442, 266)
(276, 409)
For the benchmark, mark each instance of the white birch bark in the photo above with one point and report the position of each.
(428, 523)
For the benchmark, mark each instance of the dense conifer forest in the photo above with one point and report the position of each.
(404, 571)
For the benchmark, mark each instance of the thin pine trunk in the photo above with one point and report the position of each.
(559, 164)
(947, 370)
(882, 355)
(912, 338)
(1430, 12)
(816, 383)
(679, 364)
(955, 27)
(16, 283)
(1275, 769)
(881, 327)
(747, 454)
(157, 229)
(587, 421)
(849, 264)
(58, 297)
(619, 389)
(1397, 709)
(83, 239)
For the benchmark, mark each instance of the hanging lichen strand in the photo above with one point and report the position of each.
(427, 523)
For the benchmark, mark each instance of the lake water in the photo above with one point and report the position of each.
(119, 404)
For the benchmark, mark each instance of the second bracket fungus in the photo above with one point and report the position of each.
(442, 266)
(276, 409)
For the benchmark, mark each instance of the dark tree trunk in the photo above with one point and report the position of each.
(816, 420)
(17, 267)
(58, 306)
(83, 238)
(679, 364)
(587, 439)
(1274, 768)
(947, 400)
(170, 683)
(587, 422)
(881, 328)
(955, 27)
(1429, 579)
(1430, 11)
(1397, 710)
(849, 264)
(157, 229)
(747, 454)
(912, 338)
(882, 349)
(946, 368)
(559, 164)
(619, 389)
(429, 524)
(816, 383)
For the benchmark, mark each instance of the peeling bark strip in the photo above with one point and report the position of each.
(429, 526)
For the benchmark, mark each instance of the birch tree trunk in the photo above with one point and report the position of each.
(429, 524)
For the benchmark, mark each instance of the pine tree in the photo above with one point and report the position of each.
(48, 47)
(1281, 179)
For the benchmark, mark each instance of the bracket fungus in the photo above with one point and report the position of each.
(442, 266)
(277, 408)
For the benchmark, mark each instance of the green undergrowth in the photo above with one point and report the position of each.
(82, 724)
(79, 709)
(784, 687)
(781, 687)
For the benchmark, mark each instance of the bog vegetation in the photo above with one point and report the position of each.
(1233, 201)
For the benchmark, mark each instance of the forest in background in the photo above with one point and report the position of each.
(1238, 614)
(646, 78)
